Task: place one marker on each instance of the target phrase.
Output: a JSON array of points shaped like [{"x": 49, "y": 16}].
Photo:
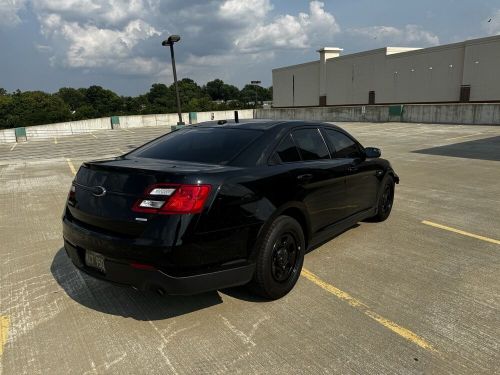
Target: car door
[
  {"x": 320, "y": 180},
  {"x": 361, "y": 182}
]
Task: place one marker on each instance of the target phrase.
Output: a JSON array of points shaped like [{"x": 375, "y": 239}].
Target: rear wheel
[
  {"x": 385, "y": 201},
  {"x": 280, "y": 258}
]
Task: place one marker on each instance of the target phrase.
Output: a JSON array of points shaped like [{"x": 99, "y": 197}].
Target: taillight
[
  {"x": 71, "y": 193},
  {"x": 173, "y": 199}
]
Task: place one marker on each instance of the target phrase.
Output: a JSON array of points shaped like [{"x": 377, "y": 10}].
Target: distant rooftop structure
[{"x": 467, "y": 71}]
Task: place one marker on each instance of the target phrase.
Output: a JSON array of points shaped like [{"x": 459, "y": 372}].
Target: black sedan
[{"x": 223, "y": 204}]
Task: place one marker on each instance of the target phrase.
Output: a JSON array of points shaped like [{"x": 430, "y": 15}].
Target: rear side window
[
  {"x": 286, "y": 151},
  {"x": 344, "y": 146},
  {"x": 311, "y": 145},
  {"x": 202, "y": 145}
]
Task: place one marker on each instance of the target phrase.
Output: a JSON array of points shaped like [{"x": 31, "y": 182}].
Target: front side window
[
  {"x": 344, "y": 146},
  {"x": 310, "y": 144}
]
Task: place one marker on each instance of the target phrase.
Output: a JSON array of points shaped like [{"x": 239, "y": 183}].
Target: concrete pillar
[{"x": 325, "y": 53}]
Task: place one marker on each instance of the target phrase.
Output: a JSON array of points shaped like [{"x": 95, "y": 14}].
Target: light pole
[
  {"x": 170, "y": 42},
  {"x": 255, "y": 83}
]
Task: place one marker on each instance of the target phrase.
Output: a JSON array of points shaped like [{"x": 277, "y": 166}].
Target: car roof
[{"x": 262, "y": 124}]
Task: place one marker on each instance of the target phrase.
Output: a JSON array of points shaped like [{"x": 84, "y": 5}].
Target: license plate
[{"x": 95, "y": 260}]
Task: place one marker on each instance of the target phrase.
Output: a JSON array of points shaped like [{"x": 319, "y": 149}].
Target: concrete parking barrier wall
[
  {"x": 7, "y": 136},
  {"x": 67, "y": 128},
  {"x": 88, "y": 126},
  {"x": 169, "y": 119},
  {"x": 467, "y": 114}
]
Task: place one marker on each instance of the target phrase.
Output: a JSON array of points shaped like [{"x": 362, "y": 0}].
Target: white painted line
[
  {"x": 13, "y": 147},
  {"x": 92, "y": 134},
  {"x": 130, "y": 131}
]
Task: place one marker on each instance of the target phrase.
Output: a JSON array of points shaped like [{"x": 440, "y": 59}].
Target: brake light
[
  {"x": 71, "y": 193},
  {"x": 173, "y": 199}
]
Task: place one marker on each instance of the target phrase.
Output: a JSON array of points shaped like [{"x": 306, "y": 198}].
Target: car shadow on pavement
[
  {"x": 482, "y": 149},
  {"x": 122, "y": 301}
]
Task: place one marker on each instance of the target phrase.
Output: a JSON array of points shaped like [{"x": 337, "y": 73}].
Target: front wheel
[
  {"x": 280, "y": 258},
  {"x": 385, "y": 201}
]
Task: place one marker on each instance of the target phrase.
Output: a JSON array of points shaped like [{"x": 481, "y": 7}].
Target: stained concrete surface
[{"x": 441, "y": 285}]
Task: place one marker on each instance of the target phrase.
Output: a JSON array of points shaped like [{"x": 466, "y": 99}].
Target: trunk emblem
[{"x": 98, "y": 191}]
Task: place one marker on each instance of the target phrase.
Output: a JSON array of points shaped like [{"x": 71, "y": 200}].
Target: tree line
[{"x": 67, "y": 104}]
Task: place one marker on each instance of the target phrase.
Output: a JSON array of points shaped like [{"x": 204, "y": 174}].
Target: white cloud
[
  {"x": 88, "y": 46},
  {"x": 493, "y": 24},
  {"x": 226, "y": 38},
  {"x": 301, "y": 31},
  {"x": 104, "y": 12},
  {"x": 92, "y": 34},
  {"x": 244, "y": 10},
  {"x": 411, "y": 35},
  {"x": 9, "y": 10}
]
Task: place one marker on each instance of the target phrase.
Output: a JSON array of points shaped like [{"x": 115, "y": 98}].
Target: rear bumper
[{"x": 119, "y": 271}]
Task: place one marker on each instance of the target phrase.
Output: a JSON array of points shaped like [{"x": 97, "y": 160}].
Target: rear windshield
[{"x": 202, "y": 145}]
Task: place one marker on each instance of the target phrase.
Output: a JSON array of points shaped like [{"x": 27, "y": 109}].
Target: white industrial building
[{"x": 460, "y": 72}]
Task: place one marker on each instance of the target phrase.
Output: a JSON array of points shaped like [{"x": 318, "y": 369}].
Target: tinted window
[
  {"x": 344, "y": 146},
  {"x": 311, "y": 145},
  {"x": 204, "y": 145},
  {"x": 287, "y": 151}
]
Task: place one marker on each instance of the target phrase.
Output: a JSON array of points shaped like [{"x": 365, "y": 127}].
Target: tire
[
  {"x": 385, "y": 201},
  {"x": 279, "y": 259}
]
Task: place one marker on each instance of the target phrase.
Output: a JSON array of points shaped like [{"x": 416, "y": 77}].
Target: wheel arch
[{"x": 295, "y": 210}]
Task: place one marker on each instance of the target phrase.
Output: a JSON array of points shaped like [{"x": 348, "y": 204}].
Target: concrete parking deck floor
[{"x": 419, "y": 293}]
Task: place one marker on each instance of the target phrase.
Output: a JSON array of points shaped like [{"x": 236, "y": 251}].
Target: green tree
[
  {"x": 32, "y": 108},
  {"x": 36, "y": 107},
  {"x": 105, "y": 102},
  {"x": 215, "y": 89},
  {"x": 74, "y": 98}
]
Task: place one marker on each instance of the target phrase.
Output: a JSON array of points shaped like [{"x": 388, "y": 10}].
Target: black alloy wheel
[
  {"x": 279, "y": 259},
  {"x": 284, "y": 257}
]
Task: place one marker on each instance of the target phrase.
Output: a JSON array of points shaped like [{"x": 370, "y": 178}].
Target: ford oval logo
[{"x": 98, "y": 191}]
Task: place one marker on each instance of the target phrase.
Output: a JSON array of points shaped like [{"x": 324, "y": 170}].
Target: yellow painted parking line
[
  {"x": 394, "y": 327},
  {"x": 71, "y": 166},
  {"x": 4, "y": 332},
  {"x": 462, "y": 232},
  {"x": 13, "y": 147},
  {"x": 130, "y": 131},
  {"x": 462, "y": 136}
]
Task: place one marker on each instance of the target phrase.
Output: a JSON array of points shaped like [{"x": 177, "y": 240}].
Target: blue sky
[{"x": 48, "y": 44}]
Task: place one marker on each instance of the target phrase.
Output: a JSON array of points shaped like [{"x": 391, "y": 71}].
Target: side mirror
[{"x": 372, "y": 152}]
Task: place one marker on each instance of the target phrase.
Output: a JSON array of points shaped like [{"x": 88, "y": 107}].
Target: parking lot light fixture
[
  {"x": 172, "y": 39},
  {"x": 255, "y": 83}
]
